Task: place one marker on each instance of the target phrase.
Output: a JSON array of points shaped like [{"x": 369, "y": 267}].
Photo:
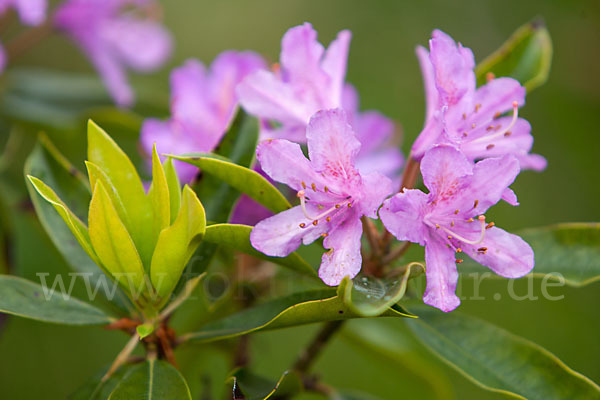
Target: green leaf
[
  {"x": 370, "y": 296},
  {"x": 254, "y": 387},
  {"x": 137, "y": 209},
  {"x": 112, "y": 242},
  {"x": 174, "y": 188},
  {"x": 525, "y": 56},
  {"x": 97, "y": 389},
  {"x": 497, "y": 360},
  {"x": 569, "y": 251},
  {"x": 243, "y": 179},
  {"x": 177, "y": 243},
  {"x": 159, "y": 195},
  {"x": 237, "y": 237},
  {"x": 293, "y": 310},
  {"x": 152, "y": 380},
  {"x": 352, "y": 395},
  {"x": 26, "y": 299},
  {"x": 144, "y": 330},
  {"x": 68, "y": 183}
]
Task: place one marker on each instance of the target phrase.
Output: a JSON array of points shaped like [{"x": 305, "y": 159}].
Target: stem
[
  {"x": 396, "y": 253},
  {"x": 24, "y": 42},
  {"x": 241, "y": 358},
  {"x": 122, "y": 357},
  {"x": 310, "y": 354},
  {"x": 372, "y": 236}
]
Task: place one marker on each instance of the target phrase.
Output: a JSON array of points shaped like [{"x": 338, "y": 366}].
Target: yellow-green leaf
[
  {"x": 177, "y": 243},
  {"x": 77, "y": 227},
  {"x": 112, "y": 242},
  {"x": 159, "y": 195},
  {"x": 174, "y": 188},
  {"x": 108, "y": 156}
]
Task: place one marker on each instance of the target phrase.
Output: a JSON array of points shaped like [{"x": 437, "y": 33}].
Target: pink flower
[
  {"x": 310, "y": 79},
  {"x": 31, "y": 12},
  {"x": 333, "y": 195},
  {"x": 115, "y": 37},
  {"x": 449, "y": 220},
  {"x": 202, "y": 105},
  {"x": 469, "y": 118}
]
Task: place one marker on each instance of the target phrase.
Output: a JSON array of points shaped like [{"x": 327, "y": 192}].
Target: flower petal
[
  {"x": 281, "y": 234},
  {"x": 488, "y": 184},
  {"x": 485, "y": 142},
  {"x": 403, "y": 213},
  {"x": 344, "y": 257},
  {"x": 334, "y": 64},
  {"x": 332, "y": 145},
  {"x": 442, "y": 275},
  {"x": 431, "y": 93},
  {"x": 32, "y": 12},
  {"x": 387, "y": 161},
  {"x": 506, "y": 254},
  {"x": 376, "y": 187},
  {"x": 373, "y": 130},
  {"x": 284, "y": 162},
  {"x": 443, "y": 168},
  {"x": 453, "y": 68},
  {"x": 301, "y": 55},
  {"x": 265, "y": 95},
  {"x": 534, "y": 162},
  {"x": 143, "y": 45}
]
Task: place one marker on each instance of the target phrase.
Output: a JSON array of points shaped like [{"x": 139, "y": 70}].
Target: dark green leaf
[
  {"x": 254, "y": 387},
  {"x": 497, "y": 360},
  {"x": 153, "y": 380},
  {"x": 97, "y": 389},
  {"x": 240, "y": 178},
  {"x": 525, "y": 56},
  {"x": 26, "y": 299},
  {"x": 296, "y": 309},
  {"x": 570, "y": 251},
  {"x": 370, "y": 296},
  {"x": 237, "y": 237}
]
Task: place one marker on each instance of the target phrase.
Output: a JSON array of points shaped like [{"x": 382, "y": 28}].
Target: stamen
[
  {"x": 328, "y": 219},
  {"x": 507, "y": 133},
  {"x": 465, "y": 240},
  {"x": 482, "y": 250},
  {"x": 315, "y": 222},
  {"x": 456, "y": 211},
  {"x": 459, "y": 260},
  {"x": 497, "y": 115},
  {"x": 303, "y": 185},
  {"x": 490, "y": 76},
  {"x": 503, "y": 131},
  {"x": 314, "y": 187},
  {"x": 437, "y": 226},
  {"x": 449, "y": 237},
  {"x": 475, "y": 203},
  {"x": 488, "y": 226},
  {"x": 459, "y": 250},
  {"x": 465, "y": 134},
  {"x": 477, "y": 107},
  {"x": 326, "y": 189},
  {"x": 473, "y": 125},
  {"x": 325, "y": 234},
  {"x": 452, "y": 223},
  {"x": 302, "y": 225},
  {"x": 464, "y": 116},
  {"x": 490, "y": 146},
  {"x": 470, "y": 220}
]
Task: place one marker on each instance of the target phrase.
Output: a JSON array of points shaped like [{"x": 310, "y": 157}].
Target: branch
[{"x": 310, "y": 354}]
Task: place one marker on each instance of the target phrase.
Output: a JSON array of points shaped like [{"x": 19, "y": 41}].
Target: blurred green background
[{"x": 41, "y": 361}]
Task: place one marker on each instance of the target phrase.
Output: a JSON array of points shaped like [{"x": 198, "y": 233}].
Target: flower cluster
[{"x": 472, "y": 147}]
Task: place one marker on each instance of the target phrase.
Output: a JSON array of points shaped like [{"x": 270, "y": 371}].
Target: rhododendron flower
[
  {"x": 115, "y": 35},
  {"x": 333, "y": 195},
  {"x": 308, "y": 79},
  {"x": 467, "y": 117},
  {"x": 31, "y": 12},
  {"x": 202, "y": 105},
  {"x": 449, "y": 220}
]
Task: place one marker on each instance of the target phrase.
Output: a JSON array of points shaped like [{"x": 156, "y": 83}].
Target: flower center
[
  {"x": 329, "y": 213},
  {"x": 454, "y": 235}
]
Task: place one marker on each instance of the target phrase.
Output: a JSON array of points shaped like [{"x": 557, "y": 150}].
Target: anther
[
  {"x": 470, "y": 220},
  {"x": 437, "y": 226},
  {"x": 476, "y": 203},
  {"x": 459, "y": 250},
  {"x": 314, "y": 187},
  {"x": 303, "y": 185},
  {"x": 459, "y": 260},
  {"x": 456, "y": 211},
  {"x": 337, "y": 206},
  {"x": 449, "y": 237},
  {"x": 465, "y": 134},
  {"x": 490, "y": 76},
  {"x": 473, "y": 125},
  {"x": 477, "y": 107},
  {"x": 488, "y": 226},
  {"x": 452, "y": 223},
  {"x": 490, "y": 146},
  {"x": 349, "y": 205},
  {"x": 497, "y": 114},
  {"x": 507, "y": 133},
  {"x": 302, "y": 225},
  {"x": 503, "y": 131},
  {"x": 324, "y": 234},
  {"x": 464, "y": 116},
  {"x": 482, "y": 250},
  {"x": 315, "y": 222},
  {"x": 328, "y": 219},
  {"x": 490, "y": 128},
  {"x": 326, "y": 189}
]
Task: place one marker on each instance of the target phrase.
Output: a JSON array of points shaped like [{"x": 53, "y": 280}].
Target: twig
[
  {"x": 396, "y": 253},
  {"x": 310, "y": 354},
  {"x": 372, "y": 236},
  {"x": 241, "y": 357},
  {"x": 122, "y": 357}
]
